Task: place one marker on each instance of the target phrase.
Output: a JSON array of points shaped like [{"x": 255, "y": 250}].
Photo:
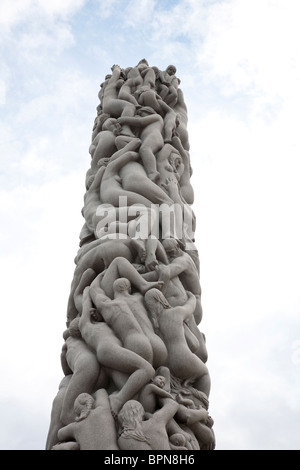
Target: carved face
[
  {"x": 160, "y": 381},
  {"x": 175, "y": 161},
  {"x": 171, "y": 70}
]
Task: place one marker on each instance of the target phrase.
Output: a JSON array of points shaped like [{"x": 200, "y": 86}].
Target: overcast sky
[{"x": 239, "y": 65}]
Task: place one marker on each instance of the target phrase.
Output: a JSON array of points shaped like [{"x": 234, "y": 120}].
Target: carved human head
[
  {"x": 142, "y": 64},
  {"x": 131, "y": 414},
  {"x": 171, "y": 247},
  {"x": 83, "y": 406},
  {"x": 159, "y": 380},
  {"x": 122, "y": 285},
  {"x": 171, "y": 69},
  {"x": 156, "y": 301}
]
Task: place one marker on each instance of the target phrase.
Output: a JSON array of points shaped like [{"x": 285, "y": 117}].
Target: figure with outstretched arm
[
  {"x": 129, "y": 369},
  {"x": 122, "y": 268}
]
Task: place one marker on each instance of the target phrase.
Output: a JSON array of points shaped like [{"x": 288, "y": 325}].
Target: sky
[{"x": 239, "y": 66}]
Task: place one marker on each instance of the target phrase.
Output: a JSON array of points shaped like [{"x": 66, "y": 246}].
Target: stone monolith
[{"x": 134, "y": 356}]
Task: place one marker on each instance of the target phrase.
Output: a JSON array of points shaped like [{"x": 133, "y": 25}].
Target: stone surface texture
[{"x": 134, "y": 357}]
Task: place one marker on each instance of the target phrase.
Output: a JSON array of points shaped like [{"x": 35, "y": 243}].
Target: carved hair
[
  {"x": 186, "y": 389},
  {"x": 155, "y": 296},
  {"x": 156, "y": 302},
  {"x": 83, "y": 406},
  {"x": 130, "y": 419}
]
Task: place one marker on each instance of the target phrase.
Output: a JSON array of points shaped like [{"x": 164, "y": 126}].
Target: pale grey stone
[{"x": 134, "y": 357}]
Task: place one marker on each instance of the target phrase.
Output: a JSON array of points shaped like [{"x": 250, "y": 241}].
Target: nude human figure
[
  {"x": 185, "y": 176},
  {"x": 103, "y": 145},
  {"x": 114, "y": 106},
  {"x": 92, "y": 198},
  {"x": 181, "y": 264},
  {"x": 94, "y": 428},
  {"x": 106, "y": 143},
  {"x": 119, "y": 178},
  {"x": 77, "y": 359},
  {"x": 181, "y": 130},
  {"x": 111, "y": 188},
  {"x": 135, "y": 302},
  {"x": 146, "y": 94},
  {"x": 192, "y": 414},
  {"x": 169, "y": 323},
  {"x": 97, "y": 259},
  {"x": 139, "y": 434},
  {"x": 118, "y": 315},
  {"x": 168, "y": 85},
  {"x": 177, "y": 264},
  {"x": 151, "y": 392},
  {"x": 185, "y": 226},
  {"x": 134, "y": 79},
  {"x": 134, "y": 371},
  {"x": 146, "y": 255},
  {"x": 169, "y": 163},
  {"x": 121, "y": 268},
  {"x": 150, "y": 126}
]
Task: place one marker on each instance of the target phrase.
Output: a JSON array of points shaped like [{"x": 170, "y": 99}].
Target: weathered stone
[{"x": 134, "y": 358}]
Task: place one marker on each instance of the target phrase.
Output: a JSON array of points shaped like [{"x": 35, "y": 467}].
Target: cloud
[
  {"x": 2, "y": 92},
  {"x": 244, "y": 47},
  {"x": 13, "y": 12},
  {"x": 139, "y": 12}
]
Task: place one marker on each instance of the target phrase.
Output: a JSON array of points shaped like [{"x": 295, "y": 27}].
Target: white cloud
[
  {"x": 2, "y": 92},
  {"x": 61, "y": 8},
  {"x": 12, "y": 11},
  {"x": 246, "y": 48},
  {"x": 15, "y": 11}
]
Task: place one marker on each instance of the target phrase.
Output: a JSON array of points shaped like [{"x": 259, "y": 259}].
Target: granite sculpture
[{"x": 134, "y": 357}]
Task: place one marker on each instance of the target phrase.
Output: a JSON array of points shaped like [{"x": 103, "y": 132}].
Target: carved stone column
[{"x": 134, "y": 357}]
